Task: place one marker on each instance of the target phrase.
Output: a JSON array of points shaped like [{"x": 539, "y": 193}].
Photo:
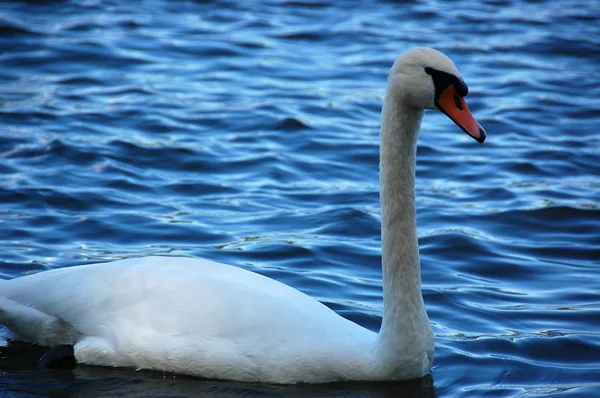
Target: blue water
[{"x": 247, "y": 133}]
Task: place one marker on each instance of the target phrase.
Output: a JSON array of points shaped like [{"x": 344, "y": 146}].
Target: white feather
[{"x": 213, "y": 320}]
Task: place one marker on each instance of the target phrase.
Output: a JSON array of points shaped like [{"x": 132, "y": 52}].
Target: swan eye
[{"x": 442, "y": 80}]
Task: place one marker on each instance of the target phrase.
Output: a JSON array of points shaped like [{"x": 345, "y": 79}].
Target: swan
[{"x": 207, "y": 319}]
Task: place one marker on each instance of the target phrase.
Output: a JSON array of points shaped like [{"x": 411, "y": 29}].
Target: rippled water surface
[{"x": 247, "y": 133}]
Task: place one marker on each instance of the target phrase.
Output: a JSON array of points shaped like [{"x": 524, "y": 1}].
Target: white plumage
[
  {"x": 189, "y": 316},
  {"x": 207, "y": 319}
]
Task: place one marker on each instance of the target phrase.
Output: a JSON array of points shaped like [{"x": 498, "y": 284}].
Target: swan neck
[{"x": 405, "y": 327}]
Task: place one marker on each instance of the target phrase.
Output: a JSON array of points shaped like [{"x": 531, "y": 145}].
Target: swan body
[
  {"x": 189, "y": 316},
  {"x": 207, "y": 319}
]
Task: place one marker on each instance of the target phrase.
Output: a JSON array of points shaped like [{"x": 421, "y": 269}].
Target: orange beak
[{"x": 455, "y": 107}]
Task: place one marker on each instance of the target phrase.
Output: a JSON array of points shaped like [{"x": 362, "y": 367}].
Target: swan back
[{"x": 188, "y": 316}]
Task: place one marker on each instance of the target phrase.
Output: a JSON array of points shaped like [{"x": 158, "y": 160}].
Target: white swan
[{"x": 202, "y": 318}]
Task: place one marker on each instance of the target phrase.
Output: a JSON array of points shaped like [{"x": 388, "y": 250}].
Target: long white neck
[{"x": 405, "y": 329}]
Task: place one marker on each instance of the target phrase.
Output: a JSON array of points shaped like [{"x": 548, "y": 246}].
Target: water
[{"x": 247, "y": 133}]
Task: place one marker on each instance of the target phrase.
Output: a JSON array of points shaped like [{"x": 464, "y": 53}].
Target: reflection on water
[{"x": 20, "y": 375}]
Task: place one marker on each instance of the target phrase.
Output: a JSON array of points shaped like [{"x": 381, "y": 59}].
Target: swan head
[{"x": 424, "y": 78}]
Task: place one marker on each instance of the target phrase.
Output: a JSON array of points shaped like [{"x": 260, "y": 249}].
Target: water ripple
[{"x": 246, "y": 132}]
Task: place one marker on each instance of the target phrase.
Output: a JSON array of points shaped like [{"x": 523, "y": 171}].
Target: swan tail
[{"x": 29, "y": 324}]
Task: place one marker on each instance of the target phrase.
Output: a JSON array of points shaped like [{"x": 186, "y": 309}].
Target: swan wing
[{"x": 183, "y": 315}]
